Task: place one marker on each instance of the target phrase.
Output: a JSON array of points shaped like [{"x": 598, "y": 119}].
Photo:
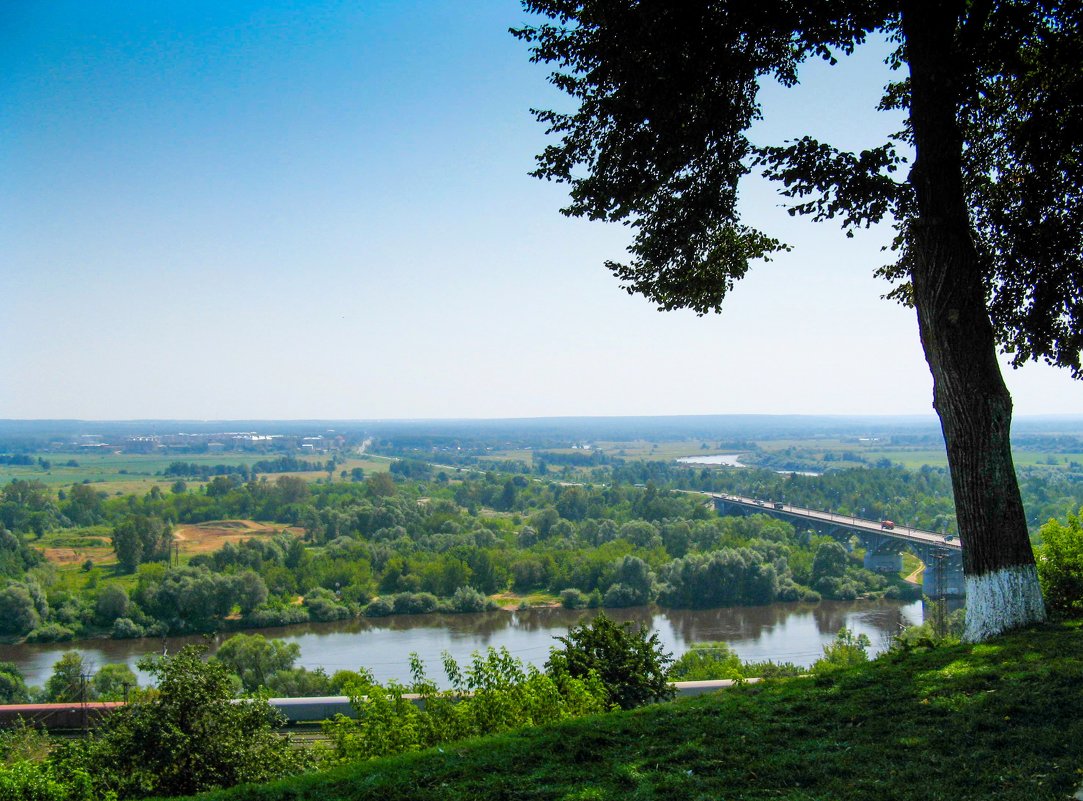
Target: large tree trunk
[{"x": 968, "y": 390}]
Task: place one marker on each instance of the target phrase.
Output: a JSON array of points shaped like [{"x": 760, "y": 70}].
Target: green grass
[{"x": 1002, "y": 720}]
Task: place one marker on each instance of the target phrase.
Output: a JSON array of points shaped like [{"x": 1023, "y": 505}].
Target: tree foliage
[
  {"x": 186, "y": 737},
  {"x": 495, "y": 692},
  {"x": 1060, "y": 564},
  {"x": 988, "y": 218},
  {"x": 255, "y": 659},
  {"x": 630, "y": 662}
]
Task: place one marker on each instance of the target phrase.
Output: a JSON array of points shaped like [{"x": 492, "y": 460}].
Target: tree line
[{"x": 397, "y": 545}]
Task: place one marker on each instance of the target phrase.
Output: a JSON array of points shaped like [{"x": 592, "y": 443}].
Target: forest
[{"x": 419, "y": 539}]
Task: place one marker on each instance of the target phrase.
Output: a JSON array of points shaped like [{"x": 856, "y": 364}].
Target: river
[
  {"x": 723, "y": 459},
  {"x": 781, "y": 632}
]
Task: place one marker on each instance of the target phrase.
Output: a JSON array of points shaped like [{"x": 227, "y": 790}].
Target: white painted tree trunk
[{"x": 1002, "y": 600}]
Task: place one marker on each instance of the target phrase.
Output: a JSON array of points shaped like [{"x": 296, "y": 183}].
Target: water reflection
[{"x": 781, "y": 632}]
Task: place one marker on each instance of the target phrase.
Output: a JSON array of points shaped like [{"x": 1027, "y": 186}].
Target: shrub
[
  {"x": 467, "y": 599},
  {"x": 39, "y": 781},
  {"x": 381, "y": 607},
  {"x": 572, "y": 598},
  {"x": 1060, "y": 564},
  {"x": 621, "y": 596},
  {"x": 322, "y": 606},
  {"x": 124, "y": 628},
  {"x": 705, "y": 661},
  {"x": 283, "y": 615},
  {"x": 50, "y": 632},
  {"x": 629, "y": 662},
  {"x": 187, "y": 737},
  {"x": 846, "y": 651},
  {"x": 413, "y": 603},
  {"x": 494, "y": 693},
  {"x": 13, "y": 689}
]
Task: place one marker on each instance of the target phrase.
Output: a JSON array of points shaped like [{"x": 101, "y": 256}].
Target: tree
[
  {"x": 68, "y": 681},
  {"x": 112, "y": 602},
  {"x": 1060, "y": 564},
  {"x": 139, "y": 538},
  {"x": 113, "y": 682},
  {"x": 988, "y": 219},
  {"x": 629, "y": 662},
  {"x": 829, "y": 562},
  {"x": 18, "y": 612},
  {"x": 84, "y": 505},
  {"x": 380, "y": 485},
  {"x": 13, "y": 688},
  {"x": 187, "y": 737},
  {"x": 255, "y": 659},
  {"x": 847, "y": 650}
]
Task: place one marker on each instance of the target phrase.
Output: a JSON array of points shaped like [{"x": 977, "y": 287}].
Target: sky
[{"x": 321, "y": 209}]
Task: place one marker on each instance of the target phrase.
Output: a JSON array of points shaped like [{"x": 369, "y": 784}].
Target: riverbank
[{"x": 999, "y": 720}]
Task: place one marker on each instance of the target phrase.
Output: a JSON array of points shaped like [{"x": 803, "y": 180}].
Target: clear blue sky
[{"x": 322, "y": 210}]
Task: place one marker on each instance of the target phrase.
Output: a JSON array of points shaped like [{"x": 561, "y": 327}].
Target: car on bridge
[{"x": 887, "y": 524}]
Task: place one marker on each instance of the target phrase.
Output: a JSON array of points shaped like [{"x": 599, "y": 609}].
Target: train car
[{"x": 57, "y": 717}]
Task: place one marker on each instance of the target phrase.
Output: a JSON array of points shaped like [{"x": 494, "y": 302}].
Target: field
[
  {"x": 69, "y": 549},
  {"x": 829, "y": 452},
  {"x": 127, "y": 473},
  {"x": 209, "y": 537}
]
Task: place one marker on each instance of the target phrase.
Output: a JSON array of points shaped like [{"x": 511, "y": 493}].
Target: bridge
[{"x": 883, "y": 541}]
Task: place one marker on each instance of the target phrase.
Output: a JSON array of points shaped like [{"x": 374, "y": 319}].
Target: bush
[
  {"x": 494, "y": 693},
  {"x": 39, "y": 781},
  {"x": 467, "y": 599},
  {"x": 705, "y": 661},
  {"x": 124, "y": 628},
  {"x": 13, "y": 689},
  {"x": 1060, "y": 564},
  {"x": 381, "y": 607},
  {"x": 50, "y": 632},
  {"x": 846, "y": 651},
  {"x": 413, "y": 603},
  {"x": 323, "y": 606},
  {"x": 926, "y": 636},
  {"x": 621, "y": 596},
  {"x": 283, "y": 615},
  {"x": 572, "y": 598},
  {"x": 629, "y": 662},
  {"x": 187, "y": 737}
]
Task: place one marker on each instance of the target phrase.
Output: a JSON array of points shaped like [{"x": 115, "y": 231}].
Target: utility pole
[
  {"x": 939, "y": 619},
  {"x": 83, "y": 701}
]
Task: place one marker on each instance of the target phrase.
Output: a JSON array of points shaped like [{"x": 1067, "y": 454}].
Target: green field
[{"x": 124, "y": 473}]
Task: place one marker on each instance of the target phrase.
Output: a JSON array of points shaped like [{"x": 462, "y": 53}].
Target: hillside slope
[{"x": 1001, "y": 720}]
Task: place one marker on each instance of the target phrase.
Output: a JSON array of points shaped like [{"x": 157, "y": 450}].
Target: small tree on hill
[
  {"x": 630, "y": 662},
  {"x": 187, "y": 736}
]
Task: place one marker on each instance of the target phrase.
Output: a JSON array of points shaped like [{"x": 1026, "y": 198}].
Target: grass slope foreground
[{"x": 1000, "y": 720}]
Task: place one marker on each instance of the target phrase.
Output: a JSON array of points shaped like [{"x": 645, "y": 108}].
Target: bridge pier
[
  {"x": 943, "y": 577},
  {"x": 883, "y": 561}
]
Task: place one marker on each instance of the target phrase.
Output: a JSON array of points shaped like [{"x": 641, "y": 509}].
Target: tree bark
[{"x": 969, "y": 393}]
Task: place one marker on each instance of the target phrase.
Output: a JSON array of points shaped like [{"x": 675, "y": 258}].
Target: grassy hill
[{"x": 1002, "y": 720}]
